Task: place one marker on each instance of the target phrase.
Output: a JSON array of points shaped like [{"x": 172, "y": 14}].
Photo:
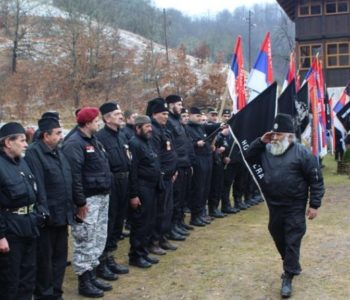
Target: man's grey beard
[{"x": 279, "y": 147}]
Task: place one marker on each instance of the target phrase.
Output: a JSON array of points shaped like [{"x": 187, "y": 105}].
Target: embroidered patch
[{"x": 90, "y": 149}]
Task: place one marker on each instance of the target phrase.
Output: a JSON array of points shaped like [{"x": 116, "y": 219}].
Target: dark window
[
  {"x": 307, "y": 52},
  {"x": 310, "y": 8},
  {"x": 338, "y": 54},
  {"x": 336, "y": 7}
]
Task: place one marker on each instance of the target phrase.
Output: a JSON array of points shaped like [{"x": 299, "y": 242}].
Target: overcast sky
[{"x": 202, "y": 7}]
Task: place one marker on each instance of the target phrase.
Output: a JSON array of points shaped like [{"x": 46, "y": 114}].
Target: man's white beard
[{"x": 279, "y": 147}]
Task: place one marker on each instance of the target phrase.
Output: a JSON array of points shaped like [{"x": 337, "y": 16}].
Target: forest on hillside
[{"x": 64, "y": 54}]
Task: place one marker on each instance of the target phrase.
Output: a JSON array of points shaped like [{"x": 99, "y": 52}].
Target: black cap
[
  {"x": 107, "y": 107},
  {"x": 184, "y": 111},
  {"x": 11, "y": 128},
  {"x": 156, "y": 105},
  {"x": 173, "y": 99},
  {"x": 212, "y": 111},
  {"x": 140, "y": 120},
  {"x": 51, "y": 114},
  {"x": 46, "y": 124},
  {"x": 195, "y": 111},
  {"x": 283, "y": 123},
  {"x": 226, "y": 111}
]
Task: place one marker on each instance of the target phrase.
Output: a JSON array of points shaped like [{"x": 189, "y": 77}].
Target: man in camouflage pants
[{"x": 91, "y": 187}]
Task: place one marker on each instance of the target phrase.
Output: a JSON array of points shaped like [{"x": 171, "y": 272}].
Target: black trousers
[
  {"x": 142, "y": 220},
  {"x": 165, "y": 207},
  {"x": 287, "y": 227},
  {"x": 18, "y": 268},
  {"x": 217, "y": 184},
  {"x": 117, "y": 212},
  {"x": 241, "y": 181},
  {"x": 52, "y": 251},
  {"x": 200, "y": 184},
  {"x": 182, "y": 188}
]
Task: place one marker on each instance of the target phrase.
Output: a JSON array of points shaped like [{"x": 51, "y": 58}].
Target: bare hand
[
  {"x": 311, "y": 213},
  {"x": 135, "y": 202},
  {"x": 82, "y": 212},
  {"x": 267, "y": 137},
  {"x": 200, "y": 143},
  {"x": 227, "y": 160},
  {"x": 4, "y": 246},
  {"x": 221, "y": 150}
]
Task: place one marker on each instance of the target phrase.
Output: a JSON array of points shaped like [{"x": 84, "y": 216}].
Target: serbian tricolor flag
[
  {"x": 261, "y": 76},
  {"x": 343, "y": 98},
  {"x": 235, "y": 78},
  {"x": 291, "y": 72},
  {"x": 317, "y": 93}
]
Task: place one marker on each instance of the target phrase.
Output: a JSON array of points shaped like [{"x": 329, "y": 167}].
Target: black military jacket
[
  {"x": 181, "y": 141},
  {"x": 90, "y": 167},
  {"x": 117, "y": 148},
  {"x": 17, "y": 189},
  {"x": 163, "y": 145},
  {"x": 128, "y": 131},
  {"x": 145, "y": 165},
  {"x": 54, "y": 180}
]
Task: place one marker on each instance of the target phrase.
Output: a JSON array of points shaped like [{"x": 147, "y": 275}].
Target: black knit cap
[
  {"x": 283, "y": 123},
  {"x": 11, "y": 128},
  {"x": 226, "y": 111},
  {"x": 156, "y": 105},
  {"x": 46, "y": 124},
  {"x": 184, "y": 111},
  {"x": 51, "y": 114},
  {"x": 173, "y": 99},
  {"x": 107, "y": 107},
  {"x": 195, "y": 111}
]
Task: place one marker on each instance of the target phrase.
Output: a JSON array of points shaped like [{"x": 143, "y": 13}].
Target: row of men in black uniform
[{"x": 148, "y": 171}]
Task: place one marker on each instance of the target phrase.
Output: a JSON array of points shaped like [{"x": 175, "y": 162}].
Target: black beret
[
  {"x": 46, "y": 124},
  {"x": 156, "y": 105},
  {"x": 51, "y": 114},
  {"x": 140, "y": 120},
  {"x": 107, "y": 107},
  {"x": 11, "y": 128},
  {"x": 283, "y": 123},
  {"x": 195, "y": 111},
  {"x": 173, "y": 99},
  {"x": 226, "y": 112},
  {"x": 184, "y": 111}
]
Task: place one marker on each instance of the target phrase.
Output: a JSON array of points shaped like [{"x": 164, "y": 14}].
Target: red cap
[{"x": 87, "y": 114}]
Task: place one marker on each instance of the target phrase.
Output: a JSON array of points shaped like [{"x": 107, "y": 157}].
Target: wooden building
[{"x": 322, "y": 26}]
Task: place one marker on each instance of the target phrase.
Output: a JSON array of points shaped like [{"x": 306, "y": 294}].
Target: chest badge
[
  {"x": 90, "y": 149},
  {"x": 168, "y": 145}
]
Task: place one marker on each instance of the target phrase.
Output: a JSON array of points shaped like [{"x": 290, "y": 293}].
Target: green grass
[{"x": 330, "y": 172}]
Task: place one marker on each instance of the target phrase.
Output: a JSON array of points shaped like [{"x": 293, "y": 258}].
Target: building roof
[{"x": 289, "y": 7}]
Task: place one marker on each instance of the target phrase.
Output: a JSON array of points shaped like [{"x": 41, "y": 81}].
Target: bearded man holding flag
[{"x": 291, "y": 177}]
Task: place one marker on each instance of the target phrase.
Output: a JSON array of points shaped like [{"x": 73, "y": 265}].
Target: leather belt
[
  {"x": 24, "y": 210},
  {"x": 121, "y": 175}
]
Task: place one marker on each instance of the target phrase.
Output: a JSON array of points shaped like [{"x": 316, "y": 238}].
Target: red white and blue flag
[
  {"x": 261, "y": 76},
  {"x": 344, "y": 98},
  {"x": 235, "y": 78},
  {"x": 291, "y": 72}
]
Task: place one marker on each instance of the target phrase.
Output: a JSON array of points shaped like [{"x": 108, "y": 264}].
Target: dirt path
[{"x": 234, "y": 258}]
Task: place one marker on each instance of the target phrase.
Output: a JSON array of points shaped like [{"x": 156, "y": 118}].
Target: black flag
[
  {"x": 328, "y": 112},
  {"x": 253, "y": 121},
  {"x": 303, "y": 107},
  {"x": 286, "y": 101},
  {"x": 344, "y": 116}
]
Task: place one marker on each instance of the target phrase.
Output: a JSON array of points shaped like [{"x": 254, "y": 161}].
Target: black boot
[
  {"x": 104, "y": 272},
  {"x": 86, "y": 288},
  {"x": 114, "y": 267},
  {"x": 215, "y": 213},
  {"x": 100, "y": 284},
  {"x": 185, "y": 226},
  {"x": 180, "y": 230},
  {"x": 286, "y": 290}
]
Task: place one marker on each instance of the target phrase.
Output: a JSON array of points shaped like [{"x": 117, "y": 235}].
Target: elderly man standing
[
  {"x": 291, "y": 177},
  {"x": 54, "y": 180},
  {"x": 91, "y": 188}
]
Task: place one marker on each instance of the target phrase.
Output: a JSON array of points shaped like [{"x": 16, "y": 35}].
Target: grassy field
[{"x": 235, "y": 258}]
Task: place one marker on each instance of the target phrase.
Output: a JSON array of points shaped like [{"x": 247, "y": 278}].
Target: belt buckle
[{"x": 22, "y": 211}]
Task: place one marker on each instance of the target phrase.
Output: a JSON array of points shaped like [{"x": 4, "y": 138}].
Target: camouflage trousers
[{"x": 90, "y": 236}]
